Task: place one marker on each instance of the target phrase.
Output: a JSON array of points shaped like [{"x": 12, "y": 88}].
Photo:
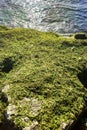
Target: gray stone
[
  {"x": 66, "y": 126},
  {"x": 35, "y": 106},
  {"x": 11, "y": 110},
  {"x": 25, "y": 100},
  {"x": 5, "y": 89},
  {"x": 25, "y": 119}
]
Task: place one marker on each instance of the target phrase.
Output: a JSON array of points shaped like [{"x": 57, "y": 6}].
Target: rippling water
[{"x": 60, "y": 16}]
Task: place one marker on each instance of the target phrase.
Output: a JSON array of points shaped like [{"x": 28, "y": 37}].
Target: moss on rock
[
  {"x": 80, "y": 36},
  {"x": 43, "y": 84}
]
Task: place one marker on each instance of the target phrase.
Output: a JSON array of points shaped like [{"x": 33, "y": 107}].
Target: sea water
[{"x": 61, "y": 16}]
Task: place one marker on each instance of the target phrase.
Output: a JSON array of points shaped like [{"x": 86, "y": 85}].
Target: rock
[
  {"x": 63, "y": 126},
  {"x": 5, "y": 89},
  {"x": 80, "y": 36},
  {"x": 66, "y": 126},
  {"x": 73, "y": 48},
  {"x": 5, "y": 97},
  {"x": 9, "y": 98},
  {"x": 26, "y": 119},
  {"x": 11, "y": 110},
  {"x": 25, "y": 100},
  {"x": 35, "y": 106},
  {"x": 33, "y": 126},
  {"x": 26, "y": 128}
]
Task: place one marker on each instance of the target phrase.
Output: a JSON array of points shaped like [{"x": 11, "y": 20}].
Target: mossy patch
[{"x": 42, "y": 68}]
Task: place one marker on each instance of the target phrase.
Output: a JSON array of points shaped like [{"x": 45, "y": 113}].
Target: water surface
[{"x": 60, "y": 16}]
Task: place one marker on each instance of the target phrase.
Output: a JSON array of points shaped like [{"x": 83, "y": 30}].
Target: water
[{"x": 61, "y": 16}]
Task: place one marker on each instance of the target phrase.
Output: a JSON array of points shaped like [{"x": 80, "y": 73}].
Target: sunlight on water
[{"x": 60, "y": 16}]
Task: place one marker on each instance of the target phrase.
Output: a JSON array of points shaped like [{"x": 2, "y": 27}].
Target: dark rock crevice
[
  {"x": 81, "y": 36},
  {"x": 83, "y": 77},
  {"x": 82, "y": 120},
  {"x": 7, "y": 65},
  {"x": 6, "y": 125},
  {"x": 80, "y": 124}
]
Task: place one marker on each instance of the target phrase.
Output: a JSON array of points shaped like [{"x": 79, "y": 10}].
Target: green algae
[{"x": 43, "y": 75}]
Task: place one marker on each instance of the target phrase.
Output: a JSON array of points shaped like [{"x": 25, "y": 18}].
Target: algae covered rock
[
  {"x": 43, "y": 89},
  {"x": 33, "y": 126},
  {"x": 80, "y": 36}
]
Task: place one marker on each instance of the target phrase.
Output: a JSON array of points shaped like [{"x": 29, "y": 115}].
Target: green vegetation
[{"x": 40, "y": 71}]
